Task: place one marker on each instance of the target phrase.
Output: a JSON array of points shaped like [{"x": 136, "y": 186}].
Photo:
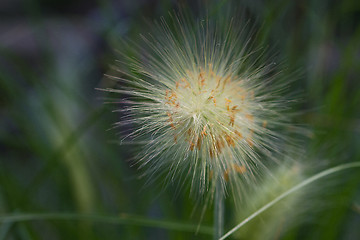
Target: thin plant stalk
[{"x": 219, "y": 208}]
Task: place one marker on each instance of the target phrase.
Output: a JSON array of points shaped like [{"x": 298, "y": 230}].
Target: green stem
[{"x": 218, "y": 211}]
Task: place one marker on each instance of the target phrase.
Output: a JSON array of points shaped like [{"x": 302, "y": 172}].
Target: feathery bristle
[{"x": 205, "y": 103}]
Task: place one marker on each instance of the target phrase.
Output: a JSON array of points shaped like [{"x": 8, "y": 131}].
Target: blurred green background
[{"x": 57, "y": 154}]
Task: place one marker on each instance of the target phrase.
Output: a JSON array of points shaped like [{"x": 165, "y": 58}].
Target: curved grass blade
[
  {"x": 292, "y": 190},
  {"x": 122, "y": 219}
]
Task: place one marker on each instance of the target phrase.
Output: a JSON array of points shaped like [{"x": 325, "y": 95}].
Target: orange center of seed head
[{"x": 209, "y": 97}]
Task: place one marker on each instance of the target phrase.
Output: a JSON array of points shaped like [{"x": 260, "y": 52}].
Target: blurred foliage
[{"x": 57, "y": 155}]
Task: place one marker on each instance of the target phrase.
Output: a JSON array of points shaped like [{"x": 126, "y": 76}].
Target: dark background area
[{"x": 57, "y": 154}]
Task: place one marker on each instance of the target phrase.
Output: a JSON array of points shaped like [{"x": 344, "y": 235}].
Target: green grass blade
[
  {"x": 122, "y": 219},
  {"x": 292, "y": 190}
]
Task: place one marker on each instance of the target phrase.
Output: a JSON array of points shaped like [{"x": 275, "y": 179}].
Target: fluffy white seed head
[{"x": 204, "y": 102}]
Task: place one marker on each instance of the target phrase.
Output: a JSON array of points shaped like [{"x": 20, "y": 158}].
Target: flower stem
[{"x": 218, "y": 212}]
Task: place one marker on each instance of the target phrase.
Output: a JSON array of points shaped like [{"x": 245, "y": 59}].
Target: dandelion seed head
[{"x": 205, "y": 103}]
